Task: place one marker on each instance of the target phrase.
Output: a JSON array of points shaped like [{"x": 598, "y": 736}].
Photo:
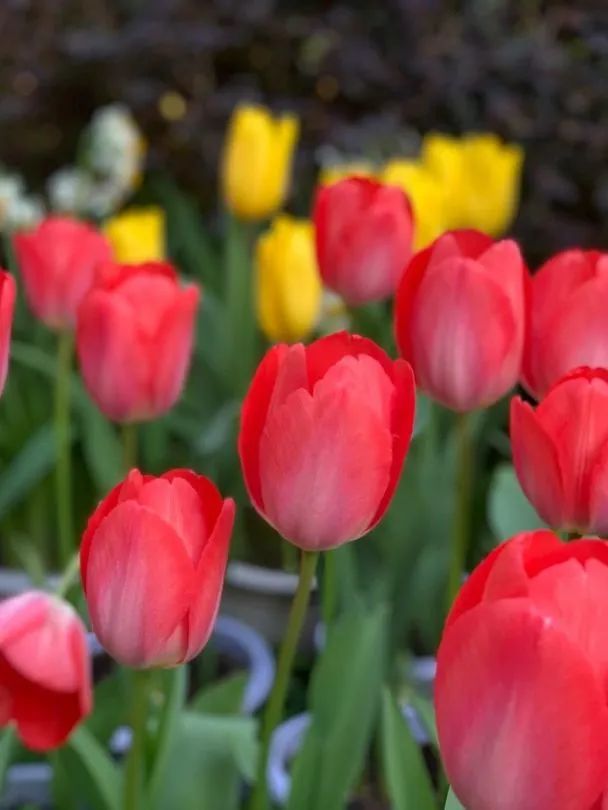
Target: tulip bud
[
  {"x": 152, "y": 561},
  {"x": 134, "y": 339},
  {"x": 256, "y": 164},
  {"x": 137, "y": 235},
  {"x": 45, "y": 677},
  {"x": 324, "y": 432},
  {"x": 8, "y": 292},
  {"x": 560, "y": 452},
  {"x": 364, "y": 238},
  {"x": 459, "y": 318},
  {"x": 58, "y": 260},
  {"x": 289, "y": 287},
  {"x": 568, "y": 324},
  {"x": 426, "y": 193},
  {"x": 520, "y": 694}
]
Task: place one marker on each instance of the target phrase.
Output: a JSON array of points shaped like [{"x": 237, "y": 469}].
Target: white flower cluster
[
  {"x": 18, "y": 209},
  {"x": 110, "y": 166}
]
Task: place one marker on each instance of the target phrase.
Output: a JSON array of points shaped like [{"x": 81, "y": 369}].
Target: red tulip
[
  {"x": 459, "y": 318},
  {"x": 522, "y": 668},
  {"x": 364, "y": 234},
  {"x": 58, "y": 260},
  {"x": 152, "y": 561},
  {"x": 8, "y": 293},
  {"x": 568, "y": 324},
  {"x": 324, "y": 432},
  {"x": 45, "y": 678},
  {"x": 134, "y": 339},
  {"x": 560, "y": 452}
]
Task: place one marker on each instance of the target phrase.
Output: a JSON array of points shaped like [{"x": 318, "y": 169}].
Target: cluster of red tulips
[{"x": 521, "y": 699}]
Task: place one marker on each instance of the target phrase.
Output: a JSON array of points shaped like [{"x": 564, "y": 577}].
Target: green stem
[
  {"x": 63, "y": 470},
  {"x": 240, "y": 320},
  {"x": 276, "y": 702},
  {"x": 70, "y": 573},
  {"x": 329, "y": 588},
  {"x": 129, "y": 445},
  {"x": 462, "y": 516},
  {"x": 133, "y": 797}
]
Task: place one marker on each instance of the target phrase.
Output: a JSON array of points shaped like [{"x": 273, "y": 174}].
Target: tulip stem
[
  {"x": 329, "y": 588},
  {"x": 462, "y": 506},
  {"x": 276, "y": 702},
  {"x": 63, "y": 469},
  {"x": 134, "y": 768},
  {"x": 69, "y": 575},
  {"x": 129, "y": 445}
]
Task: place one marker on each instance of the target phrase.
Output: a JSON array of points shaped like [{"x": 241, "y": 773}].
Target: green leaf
[
  {"x": 207, "y": 762},
  {"x": 35, "y": 460},
  {"x": 100, "y": 444},
  {"x": 221, "y": 697},
  {"x": 94, "y": 776},
  {"x": 452, "y": 803},
  {"x": 175, "y": 700},
  {"x": 407, "y": 779},
  {"x": 509, "y": 510},
  {"x": 345, "y": 692},
  {"x": 7, "y": 747}
]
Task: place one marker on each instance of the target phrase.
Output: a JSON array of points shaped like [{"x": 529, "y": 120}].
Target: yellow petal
[
  {"x": 137, "y": 235},
  {"x": 426, "y": 194}
]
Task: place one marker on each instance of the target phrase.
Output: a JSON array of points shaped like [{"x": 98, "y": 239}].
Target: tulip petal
[
  {"x": 209, "y": 581},
  {"x": 536, "y": 463},
  {"x": 330, "y": 451},
  {"x": 522, "y": 717},
  {"x": 598, "y": 497},
  {"x": 324, "y": 353},
  {"x": 8, "y": 292},
  {"x": 253, "y": 416},
  {"x": 140, "y": 583},
  {"x": 457, "y": 364}
]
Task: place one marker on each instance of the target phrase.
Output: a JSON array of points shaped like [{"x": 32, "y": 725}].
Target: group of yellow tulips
[{"x": 456, "y": 182}]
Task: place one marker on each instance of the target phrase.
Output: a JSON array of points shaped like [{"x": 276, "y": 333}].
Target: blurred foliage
[{"x": 364, "y": 77}]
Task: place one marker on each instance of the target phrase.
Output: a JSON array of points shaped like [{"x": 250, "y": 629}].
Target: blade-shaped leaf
[
  {"x": 509, "y": 510},
  {"x": 95, "y": 776},
  {"x": 452, "y": 803}
]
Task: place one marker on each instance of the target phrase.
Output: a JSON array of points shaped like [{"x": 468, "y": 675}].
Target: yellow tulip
[
  {"x": 256, "y": 163},
  {"x": 426, "y": 193},
  {"x": 288, "y": 282},
  {"x": 333, "y": 174},
  {"x": 137, "y": 235},
  {"x": 481, "y": 177}
]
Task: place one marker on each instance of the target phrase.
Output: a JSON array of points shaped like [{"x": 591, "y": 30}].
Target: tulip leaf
[
  {"x": 101, "y": 446},
  {"x": 175, "y": 698},
  {"x": 222, "y": 697},
  {"x": 344, "y": 696},
  {"x": 510, "y": 512},
  {"x": 407, "y": 779},
  {"x": 452, "y": 803},
  {"x": 7, "y": 747},
  {"x": 93, "y": 774},
  {"x": 35, "y": 460},
  {"x": 208, "y": 759}
]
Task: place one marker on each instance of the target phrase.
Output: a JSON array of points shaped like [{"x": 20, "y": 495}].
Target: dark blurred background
[{"x": 364, "y": 77}]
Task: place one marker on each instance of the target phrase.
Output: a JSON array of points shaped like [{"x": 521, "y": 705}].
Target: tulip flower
[
  {"x": 8, "y": 292},
  {"x": 45, "y": 677},
  {"x": 568, "y": 325},
  {"x": 324, "y": 432},
  {"x": 137, "y": 235},
  {"x": 58, "y": 260},
  {"x": 152, "y": 562},
  {"x": 256, "y": 164},
  {"x": 134, "y": 339},
  {"x": 560, "y": 452},
  {"x": 288, "y": 283},
  {"x": 426, "y": 194},
  {"x": 459, "y": 318},
  {"x": 364, "y": 238},
  {"x": 520, "y": 694},
  {"x": 481, "y": 176}
]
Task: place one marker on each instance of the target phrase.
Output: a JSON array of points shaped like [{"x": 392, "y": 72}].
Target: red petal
[{"x": 521, "y": 714}]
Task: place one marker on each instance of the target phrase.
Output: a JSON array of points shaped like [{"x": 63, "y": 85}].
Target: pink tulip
[
  {"x": 134, "y": 339},
  {"x": 364, "y": 233},
  {"x": 58, "y": 260},
  {"x": 8, "y": 293},
  {"x": 45, "y": 678},
  {"x": 152, "y": 561},
  {"x": 522, "y": 668},
  {"x": 460, "y": 318},
  {"x": 325, "y": 429},
  {"x": 568, "y": 323}
]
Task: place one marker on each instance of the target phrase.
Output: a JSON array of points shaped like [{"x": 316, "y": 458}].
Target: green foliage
[{"x": 509, "y": 510}]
